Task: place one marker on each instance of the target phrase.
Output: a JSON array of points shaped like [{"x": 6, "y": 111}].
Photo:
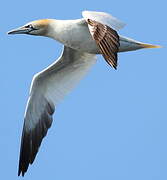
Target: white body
[{"x": 76, "y": 34}]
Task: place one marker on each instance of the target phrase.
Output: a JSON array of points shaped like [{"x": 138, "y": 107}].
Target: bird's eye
[{"x": 29, "y": 26}]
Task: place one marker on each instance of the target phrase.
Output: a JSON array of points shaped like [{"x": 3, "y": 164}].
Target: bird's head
[{"x": 38, "y": 27}]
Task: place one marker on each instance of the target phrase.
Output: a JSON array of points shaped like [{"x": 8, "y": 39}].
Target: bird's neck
[{"x": 59, "y": 29}]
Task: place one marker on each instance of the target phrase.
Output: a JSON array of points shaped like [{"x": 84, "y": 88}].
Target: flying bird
[{"x": 95, "y": 33}]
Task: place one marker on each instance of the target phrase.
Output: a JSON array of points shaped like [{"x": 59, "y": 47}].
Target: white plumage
[{"x": 82, "y": 39}]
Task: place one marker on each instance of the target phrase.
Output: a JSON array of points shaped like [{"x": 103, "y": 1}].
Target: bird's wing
[
  {"x": 104, "y": 18},
  {"x": 47, "y": 89},
  {"x": 107, "y": 39}
]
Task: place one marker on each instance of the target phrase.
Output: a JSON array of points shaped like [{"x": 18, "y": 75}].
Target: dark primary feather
[
  {"x": 108, "y": 41},
  {"x": 31, "y": 139}
]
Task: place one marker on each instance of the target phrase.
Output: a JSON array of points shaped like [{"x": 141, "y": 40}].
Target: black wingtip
[
  {"x": 31, "y": 139},
  {"x": 21, "y": 173}
]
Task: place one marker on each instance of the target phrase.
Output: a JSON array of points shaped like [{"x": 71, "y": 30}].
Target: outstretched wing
[
  {"x": 47, "y": 89},
  {"x": 107, "y": 40}
]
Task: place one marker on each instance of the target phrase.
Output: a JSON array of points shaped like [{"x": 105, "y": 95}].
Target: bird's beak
[{"x": 20, "y": 30}]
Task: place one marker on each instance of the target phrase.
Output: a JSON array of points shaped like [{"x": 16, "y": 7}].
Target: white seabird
[{"x": 83, "y": 38}]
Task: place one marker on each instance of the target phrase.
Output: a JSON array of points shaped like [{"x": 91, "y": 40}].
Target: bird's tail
[
  {"x": 128, "y": 44},
  {"x": 149, "y": 45}
]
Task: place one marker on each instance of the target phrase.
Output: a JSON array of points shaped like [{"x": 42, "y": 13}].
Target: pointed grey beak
[{"x": 21, "y": 30}]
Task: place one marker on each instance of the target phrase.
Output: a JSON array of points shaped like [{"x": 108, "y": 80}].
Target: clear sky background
[{"x": 114, "y": 124}]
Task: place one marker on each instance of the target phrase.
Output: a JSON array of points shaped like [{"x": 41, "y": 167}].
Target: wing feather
[
  {"x": 47, "y": 89},
  {"x": 107, "y": 39}
]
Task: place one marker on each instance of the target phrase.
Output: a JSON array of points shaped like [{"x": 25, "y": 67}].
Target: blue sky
[{"x": 113, "y": 125}]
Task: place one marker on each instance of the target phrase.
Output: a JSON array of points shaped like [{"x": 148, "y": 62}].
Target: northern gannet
[{"x": 95, "y": 33}]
